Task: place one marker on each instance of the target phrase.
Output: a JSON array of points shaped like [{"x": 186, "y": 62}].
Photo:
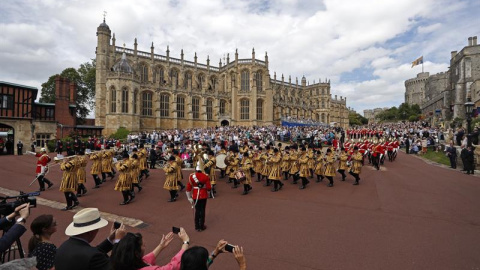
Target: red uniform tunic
[
  {"x": 43, "y": 160},
  {"x": 192, "y": 184}
]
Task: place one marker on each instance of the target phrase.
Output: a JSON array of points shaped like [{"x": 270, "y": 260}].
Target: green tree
[
  {"x": 84, "y": 78},
  {"x": 356, "y": 119}
]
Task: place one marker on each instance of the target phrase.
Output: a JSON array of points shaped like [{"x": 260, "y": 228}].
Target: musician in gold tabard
[
  {"x": 209, "y": 167},
  {"x": 275, "y": 174},
  {"x": 286, "y": 162},
  {"x": 294, "y": 165},
  {"x": 357, "y": 160},
  {"x": 257, "y": 164},
  {"x": 171, "y": 183},
  {"x": 124, "y": 181},
  {"x": 81, "y": 175},
  {"x": 329, "y": 166},
  {"x": 247, "y": 165},
  {"x": 107, "y": 157},
  {"x": 69, "y": 182},
  {"x": 142, "y": 157},
  {"x": 342, "y": 163},
  {"x": 266, "y": 165},
  {"x": 179, "y": 162},
  {"x": 304, "y": 169},
  {"x": 233, "y": 164},
  {"x": 320, "y": 166},
  {"x": 311, "y": 160},
  {"x": 96, "y": 169},
  {"x": 134, "y": 171}
]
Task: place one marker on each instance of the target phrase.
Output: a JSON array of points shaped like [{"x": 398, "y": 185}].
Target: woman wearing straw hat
[{"x": 76, "y": 252}]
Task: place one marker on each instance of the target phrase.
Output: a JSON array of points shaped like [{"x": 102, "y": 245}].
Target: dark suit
[
  {"x": 13, "y": 234},
  {"x": 77, "y": 254}
]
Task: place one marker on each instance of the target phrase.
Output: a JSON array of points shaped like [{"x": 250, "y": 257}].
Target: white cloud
[{"x": 317, "y": 39}]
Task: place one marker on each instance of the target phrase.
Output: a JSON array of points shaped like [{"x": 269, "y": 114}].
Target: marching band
[{"x": 274, "y": 164}]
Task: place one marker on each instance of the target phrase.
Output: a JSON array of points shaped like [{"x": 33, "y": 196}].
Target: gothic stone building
[
  {"x": 442, "y": 96},
  {"x": 145, "y": 91}
]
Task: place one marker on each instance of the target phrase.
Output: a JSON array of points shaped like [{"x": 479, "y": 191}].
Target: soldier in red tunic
[
  {"x": 198, "y": 188},
  {"x": 42, "y": 169}
]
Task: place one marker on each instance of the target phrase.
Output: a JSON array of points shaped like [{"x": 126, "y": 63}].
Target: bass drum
[{"x": 221, "y": 161}]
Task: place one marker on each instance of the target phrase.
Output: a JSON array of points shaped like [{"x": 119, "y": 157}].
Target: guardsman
[
  {"x": 171, "y": 182},
  {"x": 69, "y": 182},
  {"x": 198, "y": 187},
  {"x": 266, "y": 165},
  {"x": 257, "y": 164},
  {"x": 311, "y": 160},
  {"x": 357, "y": 162},
  {"x": 275, "y": 171},
  {"x": 42, "y": 169},
  {"x": 124, "y": 181}
]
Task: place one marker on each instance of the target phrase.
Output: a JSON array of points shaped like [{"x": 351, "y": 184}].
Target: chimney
[
  {"x": 453, "y": 53},
  {"x": 73, "y": 92},
  {"x": 474, "y": 41},
  {"x": 470, "y": 41}
]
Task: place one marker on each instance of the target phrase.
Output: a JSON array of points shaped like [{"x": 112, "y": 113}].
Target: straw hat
[{"x": 85, "y": 220}]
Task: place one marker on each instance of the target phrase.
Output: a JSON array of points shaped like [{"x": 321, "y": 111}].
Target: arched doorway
[
  {"x": 224, "y": 123},
  {"x": 7, "y": 140}
]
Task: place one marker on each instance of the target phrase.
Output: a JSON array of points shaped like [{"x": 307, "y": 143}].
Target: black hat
[
  {"x": 172, "y": 158},
  {"x": 125, "y": 155}
]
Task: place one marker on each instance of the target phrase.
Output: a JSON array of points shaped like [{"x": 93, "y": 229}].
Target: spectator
[
  {"x": 76, "y": 252},
  {"x": 129, "y": 253},
  {"x": 451, "y": 153},
  {"x": 39, "y": 245},
  {"x": 20, "y": 148},
  {"x": 197, "y": 258},
  {"x": 18, "y": 228}
]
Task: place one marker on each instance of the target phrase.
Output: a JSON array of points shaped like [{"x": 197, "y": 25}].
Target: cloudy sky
[{"x": 365, "y": 47}]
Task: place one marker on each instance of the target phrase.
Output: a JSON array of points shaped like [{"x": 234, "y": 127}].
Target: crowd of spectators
[{"x": 126, "y": 249}]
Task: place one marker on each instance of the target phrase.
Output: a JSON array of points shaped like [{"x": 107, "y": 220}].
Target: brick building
[{"x": 23, "y": 119}]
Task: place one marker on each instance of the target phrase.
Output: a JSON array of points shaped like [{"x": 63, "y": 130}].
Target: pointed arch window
[
  {"x": 124, "y": 100},
  {"x": 245, "y": 81},
  {"x": 113, "y": 100},
  {"x": 181, "y": 107},
  {"x": 174, "y": 77},
  {"x": 244, "y": 109},
  {"x": 209, "y": 109},
  {"x": 144, "y": 73},
  {"x": 196, "y": 108},
  {"x": 135, "y": 101},
  {"x": 147, "y": 103},
  {"x": 259, "y": 109},
  {"x": 164, "y": 105},
  {"x": 259, "y": 81},
  {"x": 223, "y": 105}
]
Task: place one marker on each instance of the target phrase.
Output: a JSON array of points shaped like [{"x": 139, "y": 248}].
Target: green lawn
[{"x": 438, "y": 157}]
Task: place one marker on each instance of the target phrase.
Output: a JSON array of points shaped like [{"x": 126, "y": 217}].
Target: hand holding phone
[
  {"x": 175, "y": 230},
  {"x": 229, "y": 248},
  {"x": 116, "y": 224}
]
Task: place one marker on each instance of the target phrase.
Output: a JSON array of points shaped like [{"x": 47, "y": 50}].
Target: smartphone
[
  {"x": 116, "y": 224},
  {"x": 229, "y": 248},
  {"x": 175, "y": 230}
]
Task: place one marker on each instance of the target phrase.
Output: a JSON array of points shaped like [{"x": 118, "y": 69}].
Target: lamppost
[{"x": 468, "y": 111}]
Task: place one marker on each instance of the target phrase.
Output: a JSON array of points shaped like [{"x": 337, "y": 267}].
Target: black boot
[
  {"x": 125, "y": 197},
  {"x": 268, "y": 183},
  {"x": 235, "y": 183},
  {"x": 245, "y": 189},
  {"x": 259, "y": 177},
  {"x": 173, "y": 197}
]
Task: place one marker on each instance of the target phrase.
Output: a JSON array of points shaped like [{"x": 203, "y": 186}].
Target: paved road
[{"x": 410, "y": 215}]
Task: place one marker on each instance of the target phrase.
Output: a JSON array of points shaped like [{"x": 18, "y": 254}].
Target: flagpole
[{"x": 422, "y": 65}]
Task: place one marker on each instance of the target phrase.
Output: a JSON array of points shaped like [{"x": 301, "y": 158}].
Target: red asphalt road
[{"x": 413, "y": 215}]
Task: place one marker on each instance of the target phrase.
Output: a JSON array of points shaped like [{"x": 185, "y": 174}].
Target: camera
[{"x": 7, "y": 207}]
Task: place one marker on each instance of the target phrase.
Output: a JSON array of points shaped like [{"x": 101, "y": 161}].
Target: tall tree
[{"x": 84, "y": 77}]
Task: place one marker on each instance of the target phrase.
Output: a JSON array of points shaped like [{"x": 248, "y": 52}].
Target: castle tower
[{"x": 102, "y": 52}]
